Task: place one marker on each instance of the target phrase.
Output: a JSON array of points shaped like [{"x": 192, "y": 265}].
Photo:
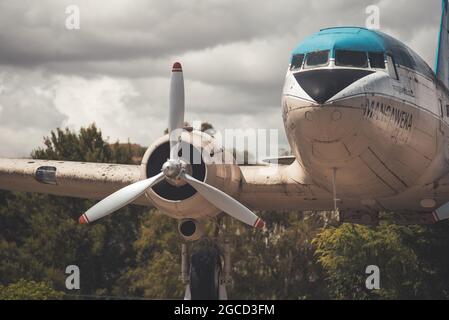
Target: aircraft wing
[
  {"x": 282, "y": 187},
  {"x": 68, "y": 178},
  {"x": 263, "y": 187}
]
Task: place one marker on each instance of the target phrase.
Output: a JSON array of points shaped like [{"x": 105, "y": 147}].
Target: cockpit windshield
[
  {"x": 359, "y": 59},
  {"x": 358, "y": 48},
  {"x": 317, "y": 59},
  {"x": 348, "y": 58},
  {"x": 343, "y": 58},
  {"x": 297, "y": 61},
  {"x": 377, "y": 60}
]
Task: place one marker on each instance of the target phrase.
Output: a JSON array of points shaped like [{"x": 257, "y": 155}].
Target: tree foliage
[
  {"x": 412, "y": 260},
  {"x": 29, "y": 290},
  {"x": 136, "y": 251},
  {"x": 278, "y": 263},
  {"x": 40, "y": 234}
]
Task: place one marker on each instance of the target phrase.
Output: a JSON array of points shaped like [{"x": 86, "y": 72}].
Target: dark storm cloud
[
  {"x": 34, "y": 33},
  {"x": 112, "y": 30},
  {"x": 115, "y": 70},
  {"x": 132, "y": 39}
]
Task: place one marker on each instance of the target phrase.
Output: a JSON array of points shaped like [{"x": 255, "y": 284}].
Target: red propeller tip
[
  {"x": 177, "y": 67},
  {"x": 83, "y": 219},
  {"x": 260, "y": 224}
]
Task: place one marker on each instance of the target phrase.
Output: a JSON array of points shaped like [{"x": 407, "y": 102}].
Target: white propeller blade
[
  {"x": 225, "y": 202},
  {"x": 176, "y": 108},
  {"x": 171, "y": 169},
  {"x": 119, "y": 199}
]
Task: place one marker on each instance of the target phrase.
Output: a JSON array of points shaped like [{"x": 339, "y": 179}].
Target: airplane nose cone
[{"x": 321, "y": 85}]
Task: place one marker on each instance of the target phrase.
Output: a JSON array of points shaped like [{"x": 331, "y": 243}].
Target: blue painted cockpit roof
[
  {"x": 343, "y": 38},
  {"x": 362, "y": 39}
]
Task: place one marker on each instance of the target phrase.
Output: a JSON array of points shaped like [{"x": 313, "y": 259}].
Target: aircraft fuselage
[{"x": 381, "y": 133}]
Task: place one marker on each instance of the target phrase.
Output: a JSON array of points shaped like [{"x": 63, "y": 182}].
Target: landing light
[{"x": 428, "y": 203}]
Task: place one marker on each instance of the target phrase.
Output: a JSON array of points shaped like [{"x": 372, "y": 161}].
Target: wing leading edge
[
  {"x": 67, "y": 178},
  {"x": 263, "y": 187}
]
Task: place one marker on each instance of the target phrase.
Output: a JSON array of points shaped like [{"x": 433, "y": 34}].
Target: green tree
[
  {"x": 406, "y": 257},
  {"x": 158, "y": 259},
  {"x": 88, "y": 145},
  {"x": 41, "y": 235},
  {"x": 29, "y": 290},
  {"x": 278, "y": 263}
]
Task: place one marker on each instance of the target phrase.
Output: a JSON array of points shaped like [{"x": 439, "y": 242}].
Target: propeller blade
[
  {"x": 176, "y": 109},
  {"x": 225, "y": 202},
  {"x": 119, "y": 199}
]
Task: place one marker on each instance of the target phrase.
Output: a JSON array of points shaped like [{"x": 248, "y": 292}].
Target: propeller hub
[{"x": 172, "y": 169}]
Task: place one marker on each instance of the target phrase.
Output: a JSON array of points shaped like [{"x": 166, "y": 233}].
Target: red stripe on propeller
[
  {"x": 83, "y": 219},
  {"x": 260, "y": 224},
  {"x": 177, "y": 67}
]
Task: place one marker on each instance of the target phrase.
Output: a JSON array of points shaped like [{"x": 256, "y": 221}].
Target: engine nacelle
[
  {"x": 209, "y": 162},
  {"x": 191, "y": 230}
]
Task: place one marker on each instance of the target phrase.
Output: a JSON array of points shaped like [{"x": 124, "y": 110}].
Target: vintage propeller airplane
[{"x": 365, "y": 116}]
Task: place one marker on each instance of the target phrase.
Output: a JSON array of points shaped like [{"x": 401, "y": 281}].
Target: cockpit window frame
[
  {"x": 348, "y": 65},
  {"x": 307, "y": 66},
  {"x": 372, "y": 53},
  {"x": 292, "y": 68},
  {"x": 392, "y": 68}
]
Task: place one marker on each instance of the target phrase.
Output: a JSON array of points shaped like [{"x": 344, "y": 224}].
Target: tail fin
[{"x": 442, "y": 58}]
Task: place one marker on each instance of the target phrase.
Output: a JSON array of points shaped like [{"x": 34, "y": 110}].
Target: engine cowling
[
  {"x": 190, "y": 229},
  {"x": 207, "y": 161}
]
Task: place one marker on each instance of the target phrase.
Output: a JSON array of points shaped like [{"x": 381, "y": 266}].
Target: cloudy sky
[{"x": 115, "y": 69}]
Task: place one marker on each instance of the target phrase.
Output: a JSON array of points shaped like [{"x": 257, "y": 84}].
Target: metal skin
[
  {"x": 382, "y": 164},
  {"x": 381, "y": 141},
  {"x": 224, "y": 176},
  {"x": 199, "y": 229}
]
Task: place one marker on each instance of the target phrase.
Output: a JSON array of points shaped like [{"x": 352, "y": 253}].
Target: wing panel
[{"x": 67, "y": 178}]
